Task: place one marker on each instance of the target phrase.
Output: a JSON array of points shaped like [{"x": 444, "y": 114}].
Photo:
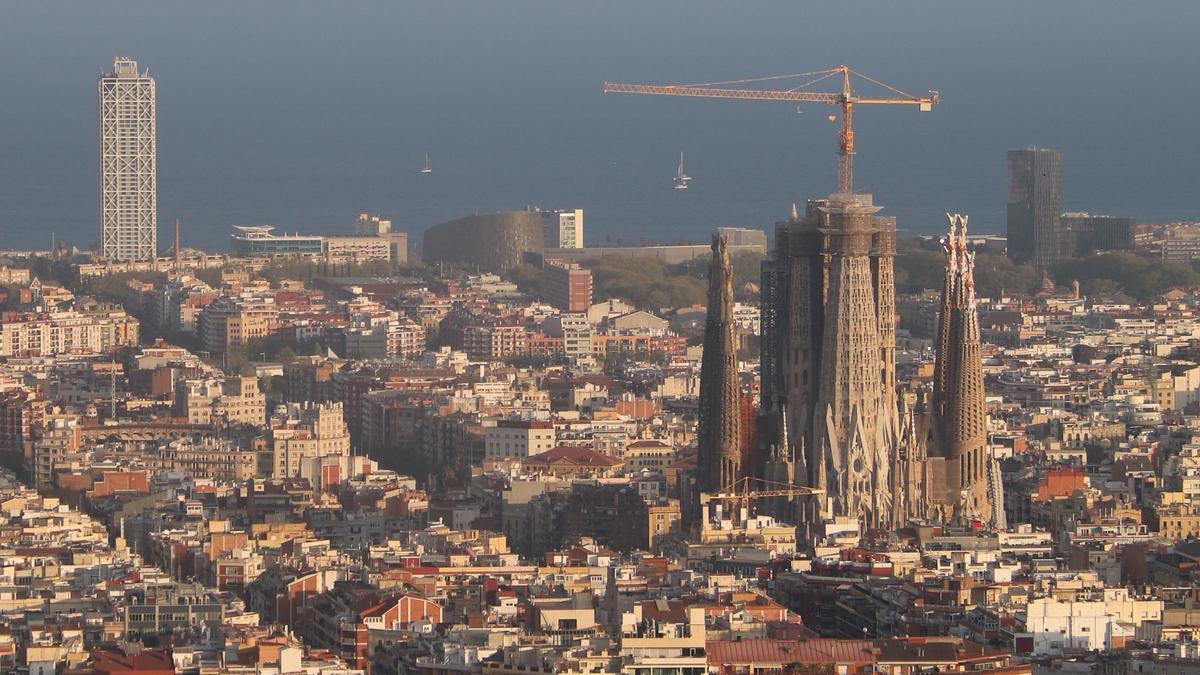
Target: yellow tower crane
[
  {"x": 740, "y": 492},
  {"x": 846, "y": 98}
]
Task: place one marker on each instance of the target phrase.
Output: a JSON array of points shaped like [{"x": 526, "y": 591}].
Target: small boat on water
[{"x": 681, "y": 178}]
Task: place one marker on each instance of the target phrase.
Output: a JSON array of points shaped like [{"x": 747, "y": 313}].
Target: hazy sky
[{"x": 300, "y": 114}]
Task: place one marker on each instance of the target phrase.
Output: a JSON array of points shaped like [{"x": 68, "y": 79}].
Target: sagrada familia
[{"x": 831, "y": 416}]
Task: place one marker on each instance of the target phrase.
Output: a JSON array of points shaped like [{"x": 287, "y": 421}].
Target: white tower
[{"x": 128, "y": 164}]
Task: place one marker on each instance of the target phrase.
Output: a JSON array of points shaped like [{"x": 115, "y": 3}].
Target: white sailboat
[
  {"x": 681, "y": 178},
  {"x": 426, "y": 168}
]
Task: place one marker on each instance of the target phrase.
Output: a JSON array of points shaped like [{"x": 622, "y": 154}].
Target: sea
[{"x": 303, "y": 114}]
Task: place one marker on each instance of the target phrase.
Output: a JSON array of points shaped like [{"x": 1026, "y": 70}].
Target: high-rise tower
[
  {"x": 719, "y": 458},
  {"x": 829, "y": 351},
  {"x": 128, "y": 164},
  {"x": 1034, "y": 207},
  {"x": 960, "y": 471}
]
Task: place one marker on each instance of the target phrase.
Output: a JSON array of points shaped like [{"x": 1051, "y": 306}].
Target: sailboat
[
  {"x": 426, "y": 168},
  {"x": 681, "y": 178}
]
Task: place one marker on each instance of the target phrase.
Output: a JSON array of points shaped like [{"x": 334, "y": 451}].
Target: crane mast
[{"x": 846, "y": 99}]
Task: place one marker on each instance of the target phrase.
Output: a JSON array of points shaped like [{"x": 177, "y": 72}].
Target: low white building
[
  {"x": 1093, "y": 620},
  {"x": 518, "y": 439}
]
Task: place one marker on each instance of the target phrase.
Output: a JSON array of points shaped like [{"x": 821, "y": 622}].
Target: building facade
[
  {"x": 566, "y": 286},
  {"x": 563, "y": 228},
  {"x": 128, "y": 164},
  {"x": 1034, "y": 207},
  {"x": 1085, "y": 234},
  {"x": 259, "y": 240},
  {"x": 34, "y": 335},
  {"x": 227, "y": 322},
  {"x": 491, "y": 242},
  {"x": 518, "y": 439}
]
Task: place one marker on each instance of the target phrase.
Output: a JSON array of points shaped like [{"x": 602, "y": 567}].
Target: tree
[
  {"x": 528, "y": 279},
  {"x": 646, "y": 282},
  {"x": 798, "y": 668},
  {"x": 1143, "y": 279}
]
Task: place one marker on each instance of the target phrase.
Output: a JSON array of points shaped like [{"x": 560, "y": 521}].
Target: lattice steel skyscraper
[{"x": 128, "y": 164}]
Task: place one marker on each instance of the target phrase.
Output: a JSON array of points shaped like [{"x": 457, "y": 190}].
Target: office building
[
  {"x": 128, "y": 164},
  {"x": 368, "y": 224},
  {"x": 563, "y": 228},
  {"x": 1084, "y": 234},
  {"x": 1034, "y": 207},
  {"x": 251, "y": 241},
  {"x": 1182, "y": 244},
  {"x": 566, "y": 286},
  {"x": 259, "y": 240},
  {"x": 743, "y": 237}
]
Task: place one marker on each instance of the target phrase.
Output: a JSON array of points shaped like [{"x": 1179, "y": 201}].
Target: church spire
[
  {"x": 719, "y": 454},
  {"x": 959, "y": 409}
]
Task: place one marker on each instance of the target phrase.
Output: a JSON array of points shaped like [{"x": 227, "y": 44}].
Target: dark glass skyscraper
[{"x": 1034, "y": 207}]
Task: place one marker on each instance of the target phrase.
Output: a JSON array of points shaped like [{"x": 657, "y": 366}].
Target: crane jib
[{"x": 845, "y": 98}]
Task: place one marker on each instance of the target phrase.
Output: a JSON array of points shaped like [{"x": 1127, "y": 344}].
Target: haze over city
[
  {"x": 302, "y": 118},
  {"x": 610, "y": 338}
]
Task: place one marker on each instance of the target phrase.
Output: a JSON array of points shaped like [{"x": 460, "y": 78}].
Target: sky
[{"x": 302, "y": 114}]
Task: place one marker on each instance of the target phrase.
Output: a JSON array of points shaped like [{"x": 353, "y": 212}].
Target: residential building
[
  {"x": 566, "y": 286},
  {"x": 518, "y": 439},
  {"x": 304, "y": 431},
  {"x": 230, "y": 322},
  {"x": 494, "y": 341},
  {"x": 1104, "y": 620}
]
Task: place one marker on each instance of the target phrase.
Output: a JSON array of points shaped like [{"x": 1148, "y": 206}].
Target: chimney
[{"x": 176, "y": 244}]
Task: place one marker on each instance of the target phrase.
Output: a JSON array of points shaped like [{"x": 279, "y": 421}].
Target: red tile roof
[
  {"x": 116, "y": 661},
  {"x": 572, "y": 455},
  {"x": 819, "y": 650}
]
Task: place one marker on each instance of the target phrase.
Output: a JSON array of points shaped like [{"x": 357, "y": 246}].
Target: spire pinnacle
[
  {"x": 951, "y": 244},
  {"x": 784, "y": 432}
]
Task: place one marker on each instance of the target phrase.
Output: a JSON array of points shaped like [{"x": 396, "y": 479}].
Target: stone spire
[
  {"x": 959, "y": 412},
  {"x": 855, "y": 424},
  {"x": 783, "y": 465},
  {"x": 719, "y": 458}
]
